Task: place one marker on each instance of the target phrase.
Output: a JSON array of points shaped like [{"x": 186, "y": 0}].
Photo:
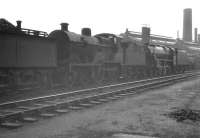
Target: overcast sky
[{"x": 113, "y": 16}]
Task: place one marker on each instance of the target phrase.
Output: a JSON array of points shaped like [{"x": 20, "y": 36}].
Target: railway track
[{"x": 17, "y": 113}]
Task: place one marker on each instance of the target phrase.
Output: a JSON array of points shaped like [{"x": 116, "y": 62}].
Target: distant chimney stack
[
  {"x": 64, "y": 26},
  {"x": 187, "y": 25},
  {"x": 19, "y": 24},
  {"x": 195, "y": 35}
]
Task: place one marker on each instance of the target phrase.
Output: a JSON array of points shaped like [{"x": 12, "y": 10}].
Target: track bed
[{"x": 142, "y": 114}]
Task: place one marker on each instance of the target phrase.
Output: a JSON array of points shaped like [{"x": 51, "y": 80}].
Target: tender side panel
[
  {"x": 8, "y": 51},
  {"x": 26, "y": 52},
  {"x": 36, "y": 53}
]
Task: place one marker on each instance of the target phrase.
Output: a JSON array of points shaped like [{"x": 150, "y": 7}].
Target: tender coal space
[{"x": 185, "y": 114}]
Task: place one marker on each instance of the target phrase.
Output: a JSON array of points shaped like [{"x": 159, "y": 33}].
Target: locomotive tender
[
  {"x": 26, "y": 56},
  {"x": 34, "y": 59}
]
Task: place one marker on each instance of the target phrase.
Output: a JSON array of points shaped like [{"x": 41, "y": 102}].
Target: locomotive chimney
[
  {"x": 19, "y": 23},
  {"x": 64, "y": 26},
  {"x": 195, "y": 35},
  {"x": 86, "y": 32},
  {"x": 145, "y": 35},
  {"x": 187, "y": 25}
]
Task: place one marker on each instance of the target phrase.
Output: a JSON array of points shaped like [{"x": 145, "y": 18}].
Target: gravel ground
[{"x": 142, "y": 114}]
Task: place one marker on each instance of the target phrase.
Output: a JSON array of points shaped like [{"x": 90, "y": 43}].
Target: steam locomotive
[{"x": 31, "y": 58}]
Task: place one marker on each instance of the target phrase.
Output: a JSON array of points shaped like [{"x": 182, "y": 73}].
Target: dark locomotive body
[
  {"x": 27, "y": 57},
  {"x": 64, "y": 58},
  {"x": 135, "y": 59},
  {"x": 140, "y": 58},
  {"x": 83, "y": 59}
]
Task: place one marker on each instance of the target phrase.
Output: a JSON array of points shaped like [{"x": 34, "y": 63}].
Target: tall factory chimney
[
  {"x": 195, "y": 35},
  {"x": 187, "y": 25}
]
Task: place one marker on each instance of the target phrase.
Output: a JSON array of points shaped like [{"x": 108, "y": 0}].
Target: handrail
[{"x": 34, "y": 32}]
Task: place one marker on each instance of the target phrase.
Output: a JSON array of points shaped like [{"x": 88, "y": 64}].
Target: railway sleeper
[
  {"x": 29, "y": 119},
  {"x": 112, "y": 98},
  {"x": 85, "y": 104},
  {"x": 25, "y": 107},
  {"x": 103, "y": 100},
  {"x": 28, "y": 116},
  {"x": 117, "y": 95},
  {"x": 12, "y": 121},
  {"x": 11, "y": 115},
  {"x": 74, "y": 107},
  {"x": 11, "y": 124},
  {"x": 94, "y": 102},
  {"x": 47, "y": 114},
  {"x": 60, "y": 110},
  {"x": 122, "y": 94}
]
